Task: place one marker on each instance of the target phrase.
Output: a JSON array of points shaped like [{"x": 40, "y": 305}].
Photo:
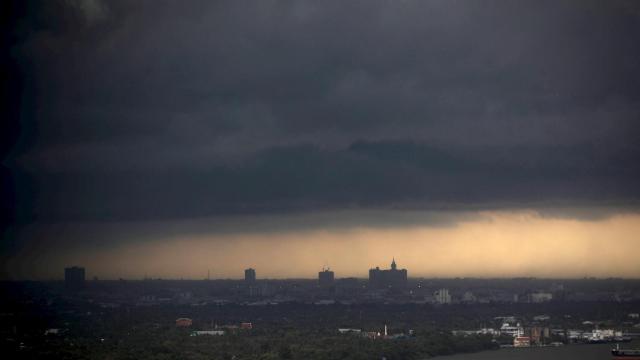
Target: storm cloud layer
[{"x": 153, "y": 110}]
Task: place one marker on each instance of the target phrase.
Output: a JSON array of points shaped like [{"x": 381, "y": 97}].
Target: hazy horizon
[
  {"x": 464, "y": 138},
  {"x": 482, "y": 244}
]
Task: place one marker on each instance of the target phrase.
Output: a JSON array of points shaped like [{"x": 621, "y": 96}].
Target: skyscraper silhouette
[
  {"x": 74, "y": 278},
  {"x": 392, "y": 278},
  {"x": 250, "y": 275},
  {"x": 325, "y": 278}
]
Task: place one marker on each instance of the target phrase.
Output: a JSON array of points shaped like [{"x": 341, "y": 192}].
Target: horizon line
[{"x": 57, "y": 279}]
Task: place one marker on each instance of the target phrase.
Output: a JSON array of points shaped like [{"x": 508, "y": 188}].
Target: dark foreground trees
[{"x": 171, "y": 343}]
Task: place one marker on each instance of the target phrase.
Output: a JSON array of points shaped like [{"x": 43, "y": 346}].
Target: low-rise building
[
  {"x": 510, "y": 330},
  {"x": 208, "y": 332},
  {"x": 541, "y": 318},
  {"x": 52, "y": 331},
  {"x": 488, "y": 331},
  {"x": 469, "y": 298},
  {"x": 184, "y": 322},
  {"x": 540, "y": 297},
  {"x": 522, "y": 341}
]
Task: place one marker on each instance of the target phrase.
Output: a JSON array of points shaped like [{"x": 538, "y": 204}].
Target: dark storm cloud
[{"x": 161, "y": 110}]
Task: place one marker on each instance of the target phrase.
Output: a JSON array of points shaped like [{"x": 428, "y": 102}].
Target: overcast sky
[{"x": 134, "y": 120}]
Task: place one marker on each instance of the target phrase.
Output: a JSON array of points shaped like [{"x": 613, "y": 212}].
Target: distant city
[
  {"x": 392, "y": 284},
  {"x": 386, "y": 313}
]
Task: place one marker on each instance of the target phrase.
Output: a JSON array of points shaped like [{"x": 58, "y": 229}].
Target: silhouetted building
[
  {"x": 250, "y": 275},
  {"x": 74, "y": 278},
  {"x": 325, "y": 278},
  {"x": 392, "y": 278}
]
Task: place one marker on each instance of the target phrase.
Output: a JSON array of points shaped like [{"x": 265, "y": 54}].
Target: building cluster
[
  {"x": 390, "y": 285},
  {"x": 539, "y": 332},
  {"x": 537, "y": 336},
  {"x": 597, "y": 336},
  {"x": 216, "y": 331},
  {"x": 385, "y": 334},
  {"x": 392, "y": 278},
  {"x": 522, "y": 336}
]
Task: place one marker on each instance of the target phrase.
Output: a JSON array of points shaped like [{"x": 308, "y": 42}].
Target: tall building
[
  {"x": 325, "y": 278},
  {"x": 74, "y": 278},
  {"x": 442, "y": 296},
  {"x": 250, "y": 275},
  {"x": 392, "y": 278}
]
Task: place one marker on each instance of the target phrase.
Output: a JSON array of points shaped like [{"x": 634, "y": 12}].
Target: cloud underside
[
  {"x": 161, "y": 110},
  {"x": 403, "y": 176}
]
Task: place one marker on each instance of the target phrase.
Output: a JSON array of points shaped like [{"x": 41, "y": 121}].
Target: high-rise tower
[
  {"x": 250, "y": 275},
  {"x": 74, "y": 278},
  {"x": 325, "y": 278}
]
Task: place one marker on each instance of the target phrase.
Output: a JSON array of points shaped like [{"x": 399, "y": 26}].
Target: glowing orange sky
[{"x": 494, "y": 244}]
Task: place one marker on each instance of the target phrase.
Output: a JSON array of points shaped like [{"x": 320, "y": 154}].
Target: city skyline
[
  {"x": 320, "y": 180},
  {"x": 539, "y": 254},
  {"x": 285, "y": 135}
]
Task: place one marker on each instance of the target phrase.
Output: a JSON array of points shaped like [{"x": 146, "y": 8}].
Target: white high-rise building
[{"x": 442, "y": 296}]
